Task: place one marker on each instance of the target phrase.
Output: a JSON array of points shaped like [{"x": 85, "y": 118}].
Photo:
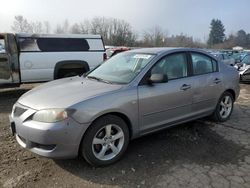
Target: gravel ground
[{"x": 196, "y": 154}]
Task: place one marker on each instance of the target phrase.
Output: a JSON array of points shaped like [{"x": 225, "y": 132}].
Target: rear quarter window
[{"x": 95, "y": 44}]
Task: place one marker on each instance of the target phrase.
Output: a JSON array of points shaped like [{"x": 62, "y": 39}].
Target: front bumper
[{"x": 54, "y": 140}]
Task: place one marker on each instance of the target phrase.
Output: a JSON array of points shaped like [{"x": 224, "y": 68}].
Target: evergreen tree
[
  {"x": 242, "y": 38},
  {"x": 216, "y": 34}
]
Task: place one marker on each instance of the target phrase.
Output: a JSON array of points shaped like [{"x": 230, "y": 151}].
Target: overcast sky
[{"x": 191, "y": 17}]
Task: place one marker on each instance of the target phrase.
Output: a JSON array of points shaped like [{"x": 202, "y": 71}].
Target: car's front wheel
[
  {"x": 224, "y": 107},
  {"x": 105, "y": 141}
]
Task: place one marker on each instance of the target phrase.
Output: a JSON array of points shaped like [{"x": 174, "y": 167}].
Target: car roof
[{"x": 165, "y": 49}]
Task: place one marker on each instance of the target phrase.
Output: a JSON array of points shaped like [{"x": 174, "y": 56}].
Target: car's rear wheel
[
  {"x": 105, "y": 141},
  {"x": 224, "y": 107}
]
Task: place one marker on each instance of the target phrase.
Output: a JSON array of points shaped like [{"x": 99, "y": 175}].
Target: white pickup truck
[{"x": 26, "y": 58}]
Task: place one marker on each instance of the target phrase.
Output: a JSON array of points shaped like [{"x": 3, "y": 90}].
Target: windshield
[
  {"x": 122, "y": 68},
  {"x": 246, "y": 60},
  {"x": 218, "y": 56}
]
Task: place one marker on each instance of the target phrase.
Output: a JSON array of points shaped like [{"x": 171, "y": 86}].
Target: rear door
[
  {"x": 163, "y": 103},
  {"x": 207, "y": 83}
]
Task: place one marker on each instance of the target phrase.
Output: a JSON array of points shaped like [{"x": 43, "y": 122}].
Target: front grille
[{"x": 18, "y": 111}]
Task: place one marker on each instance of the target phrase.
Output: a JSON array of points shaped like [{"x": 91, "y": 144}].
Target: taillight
[{"x": 104, "y": 56}]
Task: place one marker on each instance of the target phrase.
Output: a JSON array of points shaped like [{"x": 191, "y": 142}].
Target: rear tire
[
  {"x": 105, "y": 141},
  {"x": 224, "y": 107}
]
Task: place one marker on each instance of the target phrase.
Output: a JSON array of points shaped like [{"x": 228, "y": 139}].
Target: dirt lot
[{"x": 195, "y": 154}]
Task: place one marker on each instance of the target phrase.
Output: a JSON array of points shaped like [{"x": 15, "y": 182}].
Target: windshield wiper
[{"x": 99, "y": 79}]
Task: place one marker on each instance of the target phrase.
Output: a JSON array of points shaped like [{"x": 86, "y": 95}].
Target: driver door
[{"x": 163, "y": 103}]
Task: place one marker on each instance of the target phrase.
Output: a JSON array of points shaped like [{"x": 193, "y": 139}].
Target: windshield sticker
[{"x": 142, "y": 56}]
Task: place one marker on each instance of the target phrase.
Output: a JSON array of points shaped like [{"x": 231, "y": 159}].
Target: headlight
[{"x": 50, "y": 115}]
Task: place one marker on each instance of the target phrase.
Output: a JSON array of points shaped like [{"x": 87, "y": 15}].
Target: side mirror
[{"x": 158, "y": 78}]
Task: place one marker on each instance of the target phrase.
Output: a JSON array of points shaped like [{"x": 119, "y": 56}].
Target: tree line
[
  {"x": 118, "y": 32},
  {"x": 218, "y": 39}
]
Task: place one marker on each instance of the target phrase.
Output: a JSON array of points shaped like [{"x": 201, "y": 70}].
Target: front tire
[
  {"x": 105, "y": 141},
  {"x": 224, "y": 107}
]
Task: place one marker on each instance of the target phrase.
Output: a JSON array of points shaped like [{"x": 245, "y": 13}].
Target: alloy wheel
[
  {"x": 226, "y": 105},
  {"x": 108, "y": 142}
]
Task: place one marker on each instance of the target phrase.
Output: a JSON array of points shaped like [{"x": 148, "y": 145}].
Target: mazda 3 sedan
[{"x": 132, "y": 94}]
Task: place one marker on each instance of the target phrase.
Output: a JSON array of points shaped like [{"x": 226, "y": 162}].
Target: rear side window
[
  {"x": 203, "y": 64},
  {"x": 60, "y": 44}
]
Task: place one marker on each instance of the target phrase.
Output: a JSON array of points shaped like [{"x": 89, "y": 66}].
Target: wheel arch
[
  {"x": 118, "y": 114},
  {"x": 121, "y": 115},
  {"x": 232, "y": 93},
  {"x": 70, "y": 64}
]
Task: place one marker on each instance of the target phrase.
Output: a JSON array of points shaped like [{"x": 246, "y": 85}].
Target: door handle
[
  {"x": 185, "y": 87},
  {"x": 217, "y": 80}
]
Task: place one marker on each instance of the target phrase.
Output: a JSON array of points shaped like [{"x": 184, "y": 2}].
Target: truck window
[
  {"x": 2, "y": 46},
  {"x": 62, "y": 44},
  {"x": 12, "y": 44},
  {"x": 28, "y": 45},
  {"x": 53, "y": 44}
]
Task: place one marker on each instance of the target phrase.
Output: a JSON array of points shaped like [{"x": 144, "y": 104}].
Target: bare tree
[
  {"x": 59, "y": 29},
  {"x": 46, "y": 27},
  {"x": 21, "y": 25},
  {"x": 36, "y": 27},
  {"x": 120, "y": 33},
  {"x": 75, "y": 29},
  {"x": 155, "y": 37},
  {"x": 63, "y": 28},
  {"x": 66, "y": 26},
  {"x": 113, "y": 31},
  {"x": 85, "y": 27}
]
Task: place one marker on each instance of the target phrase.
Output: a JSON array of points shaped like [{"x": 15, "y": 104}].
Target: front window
[
  {"x": 122, "y": 68},
  {"x": 174, "y": 66}
]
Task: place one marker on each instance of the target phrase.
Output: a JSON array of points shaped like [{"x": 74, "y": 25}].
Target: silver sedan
[{"x": 130, "y": 95}]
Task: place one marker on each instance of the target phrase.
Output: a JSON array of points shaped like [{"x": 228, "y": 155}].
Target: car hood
[{"x": 64, "y": 93}]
